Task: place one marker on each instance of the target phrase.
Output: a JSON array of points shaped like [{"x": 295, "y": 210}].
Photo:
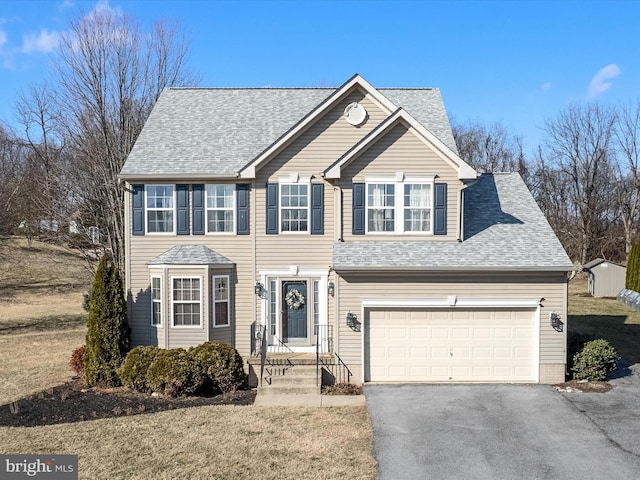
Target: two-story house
[{"x": 339, "y": 220}]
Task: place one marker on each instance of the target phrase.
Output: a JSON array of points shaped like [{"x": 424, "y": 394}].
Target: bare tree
[
  {"x": 625, "y": 173},
  {"x": 580, "y": 146},
  {"x": 489, "y": 149},
  {"x": 109, "y": 74}
]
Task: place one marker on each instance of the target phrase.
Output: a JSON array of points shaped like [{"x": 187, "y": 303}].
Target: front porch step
[{"x": 288, "y": 390}]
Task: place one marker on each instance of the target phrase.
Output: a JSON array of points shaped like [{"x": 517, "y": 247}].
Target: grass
[
  {"x": 604, "y": 318},
  {"x": 38, "y": 332}
]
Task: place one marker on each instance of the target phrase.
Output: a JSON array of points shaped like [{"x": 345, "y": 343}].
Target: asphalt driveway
[{"x": 504, "y": 432}]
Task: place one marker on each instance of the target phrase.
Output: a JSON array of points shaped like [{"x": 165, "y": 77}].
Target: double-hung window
[
  {"x": 160, "y": 208},
  {"x": 156, "y": 301},
  {"x": 417, "y": 207},
  {"x": 220, "y": 208},
  {"x": 399, "y": 206},
  {"x": 294, "y": 207},
  {"x": 381, "y": 207},
  {"x": 220, "y": 300},
  {"x": 186, "y": 301}
]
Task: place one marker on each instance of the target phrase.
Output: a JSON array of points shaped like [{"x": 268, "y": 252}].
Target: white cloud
[
  {"x": 44, "y": 42},
  {"x": 599, "y": 82},
  {"x": 545, "y": 87},
  {"x": 68, "y": 4}
]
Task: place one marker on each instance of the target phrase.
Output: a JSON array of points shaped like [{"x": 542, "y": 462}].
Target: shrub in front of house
[
  {"x": 595, "y": 361},
  {"x": 221, "y": 366},
  {"x": 173, "y": 372},
  {"x": 107, "y": 327},
  {"x": 77, "y": 360},
  {"x": 133, "y": 371}
]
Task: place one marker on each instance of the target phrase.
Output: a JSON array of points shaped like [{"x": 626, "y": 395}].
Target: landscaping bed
[{"x": 74, "y": 402}]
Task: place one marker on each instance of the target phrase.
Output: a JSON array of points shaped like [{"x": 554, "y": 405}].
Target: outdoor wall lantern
[
  {"x": 556, "y": 322},
  {"x": 351, "y": 320},
  {"x": 331, "y": 288},
  {"x": 258, "y": 289}
]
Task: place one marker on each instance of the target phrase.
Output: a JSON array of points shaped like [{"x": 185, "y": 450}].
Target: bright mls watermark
[{"x": 51, "y": 467}]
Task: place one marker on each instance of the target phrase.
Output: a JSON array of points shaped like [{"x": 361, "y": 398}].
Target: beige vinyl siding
[
  {"x": 237, "y": 248},
  {"x": 324, "y": 142},
  {"x": 551, "y": 287},
  {"x": 400, "y": 150},
  {"x": 288, "y": 248}
]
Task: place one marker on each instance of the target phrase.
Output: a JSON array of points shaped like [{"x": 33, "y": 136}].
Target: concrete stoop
[{"x": 290, "y": 380}]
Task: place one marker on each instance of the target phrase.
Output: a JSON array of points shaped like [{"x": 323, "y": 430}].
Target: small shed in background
[{"x": 606, "y": 278}]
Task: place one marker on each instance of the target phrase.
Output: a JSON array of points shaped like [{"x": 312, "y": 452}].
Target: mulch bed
[{"x": 74, "y": 402}]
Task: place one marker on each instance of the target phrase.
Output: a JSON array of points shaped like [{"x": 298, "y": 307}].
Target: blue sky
[{"x": 515, "y": 62}]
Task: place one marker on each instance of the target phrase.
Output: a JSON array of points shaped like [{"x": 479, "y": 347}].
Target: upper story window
[
  {"x": 417, "y": 207},
  {"x": 381, "y": 207},
  {"x": 399, "y": 207},
  {"x": 160, "y": 208},
  {"x": 220, "y": 208},
  {"x": 294, "y": 207}
]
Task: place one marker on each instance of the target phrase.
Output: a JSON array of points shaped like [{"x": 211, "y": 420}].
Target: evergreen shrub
[
  {"x": 173, "y": 372},
  {"x": 107, "y": 327},
  {"x": 133, "y": 371},
  {"x": 221, "y": 366},
  {"x": 595, "y": 361}
]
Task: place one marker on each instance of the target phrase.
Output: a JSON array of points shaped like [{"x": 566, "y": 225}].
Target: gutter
[
  {"x": 467, "y": 269},
  {"x": 176, "y": 176}
]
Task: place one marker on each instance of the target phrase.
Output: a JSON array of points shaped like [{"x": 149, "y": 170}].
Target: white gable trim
[
  {"x": 465, "y": 172},
  {"x": 249, "y": 171}
]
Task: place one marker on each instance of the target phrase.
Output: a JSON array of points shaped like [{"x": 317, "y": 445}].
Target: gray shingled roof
[
  {"x": 504, "y": 230},
  {"x": 190, "y": 255},
  {"x": 217, "y": 131}
]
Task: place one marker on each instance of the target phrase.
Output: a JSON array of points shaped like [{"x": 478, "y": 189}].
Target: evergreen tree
[
  {"x": 107, "y": 327},
  {"x": 633, "y": 269}
]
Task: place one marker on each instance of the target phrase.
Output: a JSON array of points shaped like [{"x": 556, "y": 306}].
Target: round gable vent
[{"x": 355, "y": 114}]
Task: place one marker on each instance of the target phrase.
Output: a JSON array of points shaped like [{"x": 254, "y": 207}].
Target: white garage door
[{"x": 450, "y": 345}]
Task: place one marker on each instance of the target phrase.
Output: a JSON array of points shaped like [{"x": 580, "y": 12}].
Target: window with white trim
[
  {"x": 220, "y": 208},
  {"x": 220, "y": 299},
  {"x": 160, "y": 201},
  {"x": 273, "y": 307},
  {"x": 294, "y": 207},
  {"x": 417, "y": 207},
  {"x": 156, "y": 301},
  {"x": 381, "y": 207},
  {"x": 399, "y": 207},
  {"x": 186, "y": 301}
]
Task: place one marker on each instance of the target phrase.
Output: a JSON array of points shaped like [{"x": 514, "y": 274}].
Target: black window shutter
[
  {"x": 198, "y": 208},
  {"x": 272, "y": 208},
  {"x": 182, "y": 204},
  {"x": 317, "y": 208},
  {"x": 137, "y": 206},
  {"x": 358, "y": 208},
  {"x": 242, "y": 206},
  {"x": 440, "y": 207}
]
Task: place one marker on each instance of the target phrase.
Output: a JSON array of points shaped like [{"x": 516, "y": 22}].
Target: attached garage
[{"x": 452, "y": 344}]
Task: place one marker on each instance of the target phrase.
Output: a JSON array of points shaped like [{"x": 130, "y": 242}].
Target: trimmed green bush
[
  {"x": 173, "y": 372},
  {"x": 107, "y": 327},
  {"x": 595, "y": 361},
  {"x": 221, "y": 365},
  {"x": 133, "y": 371}
]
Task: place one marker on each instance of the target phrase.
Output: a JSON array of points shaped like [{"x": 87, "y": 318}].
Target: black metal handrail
[{"x": 324, "y": 344}]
